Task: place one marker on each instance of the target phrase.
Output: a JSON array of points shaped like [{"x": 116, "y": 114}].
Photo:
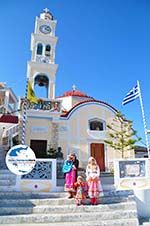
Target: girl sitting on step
[{"x": 80, "y": 187}]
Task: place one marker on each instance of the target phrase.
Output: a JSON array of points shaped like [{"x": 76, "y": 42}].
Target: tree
[{"x": 121, "y": 134}]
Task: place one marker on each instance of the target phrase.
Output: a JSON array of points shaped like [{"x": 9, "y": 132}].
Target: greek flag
[{"x": 131, "y": 95}]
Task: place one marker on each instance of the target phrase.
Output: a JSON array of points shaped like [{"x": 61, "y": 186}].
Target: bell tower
[{"x": 41, "y": 69}]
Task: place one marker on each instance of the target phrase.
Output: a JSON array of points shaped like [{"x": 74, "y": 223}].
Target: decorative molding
[
  {"x": 39, "y": 129},
  {"x": 42, "y": 170}
]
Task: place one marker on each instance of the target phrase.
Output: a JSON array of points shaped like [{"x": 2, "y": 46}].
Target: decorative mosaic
[
  {"x": 42, "y": 170},
  {"x": 51, "y": 106}
]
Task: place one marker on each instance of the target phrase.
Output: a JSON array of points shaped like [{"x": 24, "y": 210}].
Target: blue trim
[
  {"x": 41, "y": 117},
  {"x": 84, "y": 104}
]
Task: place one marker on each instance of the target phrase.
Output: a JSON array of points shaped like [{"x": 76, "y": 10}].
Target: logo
[{"x": 20, "y": 159}]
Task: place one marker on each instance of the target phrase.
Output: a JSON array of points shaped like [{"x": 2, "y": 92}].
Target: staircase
[
  {"x": 49, "y": 209},
  {"x": 7, "y": 181}
]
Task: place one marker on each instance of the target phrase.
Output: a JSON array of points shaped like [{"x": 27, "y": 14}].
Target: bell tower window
[
  {"x": 41, "y": 84},
  {"x": 47, "y": 50},
  {"x": 39, "y": 49}
]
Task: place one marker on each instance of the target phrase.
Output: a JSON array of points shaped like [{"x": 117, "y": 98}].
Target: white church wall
[
  {"x": 66, "y": 103},
  {"x": 80, "y": 135}
]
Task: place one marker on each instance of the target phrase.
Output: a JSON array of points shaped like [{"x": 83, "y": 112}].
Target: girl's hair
[
  {"x": 92, "y": 163},
  {"x": 73, "y": 155},
  {"x": 80, "y": 177},
  {"x": 69, "y": 157}
]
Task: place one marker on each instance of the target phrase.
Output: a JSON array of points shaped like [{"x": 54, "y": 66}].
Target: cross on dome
[
  {"x": 74, "y": 87},
  {"x": 46, "y": 10}
]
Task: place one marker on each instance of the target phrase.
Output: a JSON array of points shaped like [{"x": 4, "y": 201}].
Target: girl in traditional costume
[
  {"x": 92, "y": 177},
  {"x": 80, "y": 187},
  {"x": 69, "y": 170}
]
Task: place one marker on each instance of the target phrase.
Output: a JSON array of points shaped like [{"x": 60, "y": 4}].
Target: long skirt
[
  {"x": 94, "y": 187},
  {"x": 70, "y": 179},
  {"x": 81, "y": 192}
]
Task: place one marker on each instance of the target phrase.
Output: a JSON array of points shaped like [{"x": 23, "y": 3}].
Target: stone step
[
  {"x": 144, "y": 221},
  {"x": 14, "y": 210},
  {"x": 56, "y": 201},
  {"x": 14, "y": 195},
  {"x": 116, "y": 222},
  {"x": 107, "y": 174},
  {"x": 68, "y": 217},
  {"x": 7, "y": 188},
  {"x": 31, "y": 195},
  {"x": 7, "y": 176},
  {"x": 7, "y": 182},
  {"x": 5, "y": 171}
]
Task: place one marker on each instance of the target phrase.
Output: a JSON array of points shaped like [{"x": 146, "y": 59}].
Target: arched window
[
  {"x": 47, "y": 50},
  {"x": 41, "y": 84},
  {"x": 96, "y": 124},
  {"x": 39, "y": 49}
]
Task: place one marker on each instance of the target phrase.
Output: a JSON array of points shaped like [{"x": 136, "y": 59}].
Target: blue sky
[{"x": 103, "y": 48}]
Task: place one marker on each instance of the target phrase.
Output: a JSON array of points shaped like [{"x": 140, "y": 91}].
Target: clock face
[{"x": 45, "y": 29}]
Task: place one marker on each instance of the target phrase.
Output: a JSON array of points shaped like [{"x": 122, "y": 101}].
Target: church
[{"x": 74, "y": 121}]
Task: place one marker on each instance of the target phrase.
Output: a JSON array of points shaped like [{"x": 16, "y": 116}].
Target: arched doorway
[{"x": 97, "y": 151}]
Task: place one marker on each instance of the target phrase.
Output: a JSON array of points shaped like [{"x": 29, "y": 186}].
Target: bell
[{"x": 41, "y": 83}]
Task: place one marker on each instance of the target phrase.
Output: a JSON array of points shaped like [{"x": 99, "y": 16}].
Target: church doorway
[
  {"x": 97, "y": 151},
  {"x": 39, "y": 147}
]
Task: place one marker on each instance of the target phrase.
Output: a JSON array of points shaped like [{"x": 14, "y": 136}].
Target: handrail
[{"x": 11, "y": 130}]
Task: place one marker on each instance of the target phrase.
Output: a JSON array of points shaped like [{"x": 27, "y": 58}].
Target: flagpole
[
  {"x": 24, "y": 114},
  {"x": 144, "y": 119}
]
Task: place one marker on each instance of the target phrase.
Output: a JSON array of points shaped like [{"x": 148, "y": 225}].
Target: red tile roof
[
  {"x": 9, "y": 119},
  {"x": 75, "y": 93}
]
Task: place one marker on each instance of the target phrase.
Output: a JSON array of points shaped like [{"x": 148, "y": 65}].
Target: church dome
[{"x": 75, "y": 93}]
